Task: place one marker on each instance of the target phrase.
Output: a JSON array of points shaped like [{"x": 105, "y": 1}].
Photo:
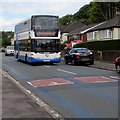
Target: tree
[
  {"x": 96, "y": 14},
  {"x": 83, "y": 14},
  {"x": 66, "y": 19},
  {"x": 6, "y": 38},
  {"x": 93, "y": 12},
  {"x": 108, "y": 9},
  {"x": 0, "y": 39}
]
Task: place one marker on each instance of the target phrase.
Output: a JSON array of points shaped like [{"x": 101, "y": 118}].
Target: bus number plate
[{"x": 46, "y": 60}]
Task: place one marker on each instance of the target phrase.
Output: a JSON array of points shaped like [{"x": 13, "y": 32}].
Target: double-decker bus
[{"x": 38, "y": 39}]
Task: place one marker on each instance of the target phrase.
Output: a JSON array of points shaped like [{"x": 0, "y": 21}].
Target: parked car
[
  {"x": 117, "y": 64},
  {"x": 9, "y": 50},
  {"x": 79, "y": 55}
]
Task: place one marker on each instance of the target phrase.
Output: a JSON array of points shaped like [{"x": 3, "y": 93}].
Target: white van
[{"x": 9, "y": 50}]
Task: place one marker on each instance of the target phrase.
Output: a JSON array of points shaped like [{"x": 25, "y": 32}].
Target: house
[
  {"x": 63, "y": 33},
  {"x": 66, "y": 29},
  {"x": 108, "y": 30},
  {"x": 80, "y": 35}
]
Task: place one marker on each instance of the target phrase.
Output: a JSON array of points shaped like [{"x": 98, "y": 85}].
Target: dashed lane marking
[
  {"x": 49, "y": 82},
  {"x": 67, "y": 71},
  {"x": 94, "y": 79},
  {"x": 47, "y": 66}
]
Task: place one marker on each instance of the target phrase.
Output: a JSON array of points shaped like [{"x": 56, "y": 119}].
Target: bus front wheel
[{"x": 16, "y": 56}]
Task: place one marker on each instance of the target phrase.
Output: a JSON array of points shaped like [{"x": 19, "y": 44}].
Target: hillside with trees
[{"x": 94, "y": 12}]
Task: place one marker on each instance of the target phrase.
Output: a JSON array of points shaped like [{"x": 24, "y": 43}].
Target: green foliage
[
  {"x": 63, "y": 45},
  {"x": 101, "y": 45},
  {"x": 94, "y": 12},
  {"x": 6, "y": 38},
  {"x": 0, "y": 39},
  {"x": 83, "y": 13},
  {"x": 66, "y": 19},
  {"x": 109, "y": 9}
]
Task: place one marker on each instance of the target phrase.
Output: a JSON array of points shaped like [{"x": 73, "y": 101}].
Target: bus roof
[
  {"x": 44, "y": 16},
  {"x": 36, "y": 16}
]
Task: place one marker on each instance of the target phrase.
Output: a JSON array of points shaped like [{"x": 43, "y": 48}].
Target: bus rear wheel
[{"x": 26, "y": 58}]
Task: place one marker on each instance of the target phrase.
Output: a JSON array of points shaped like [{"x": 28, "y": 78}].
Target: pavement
[
  {"x": 17, "y": 104},
  {"x": 104, "y": 65}
]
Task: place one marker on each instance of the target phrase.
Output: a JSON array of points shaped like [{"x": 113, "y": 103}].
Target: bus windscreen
[{"x": 45, "y": 45}]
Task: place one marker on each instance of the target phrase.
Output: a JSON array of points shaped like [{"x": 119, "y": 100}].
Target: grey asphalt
[{"x": 16, "y": 104}]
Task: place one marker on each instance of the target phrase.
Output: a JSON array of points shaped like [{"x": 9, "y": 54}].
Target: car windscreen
[
  {"x": 82, "y": 50},
  {"x": 10, "y": 47}
]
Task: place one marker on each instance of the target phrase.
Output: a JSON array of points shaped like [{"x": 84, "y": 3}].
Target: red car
[{"x": 117, "y": 64}]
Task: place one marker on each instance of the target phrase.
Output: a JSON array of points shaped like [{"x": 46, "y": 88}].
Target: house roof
[
  {"x": 63, "y": 27},
  {"x": 79, "y": 30},
  {"x": 85, "y": 28},
  {"x": 72, "y": 26},
  {"x": 115, "y": 22}
]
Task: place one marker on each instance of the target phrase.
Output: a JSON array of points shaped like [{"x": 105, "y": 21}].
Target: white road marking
[
  {"x": 113, "y": 80},
  {"x": 115, "y": 77},
  {"x": 51, "y": 84},
  {"x": 99, "y": 81},
  {"x": 67, "y": 71},
  {"x": 46, "y": 66},
  {"x": 31, "y": 84},
  {"x": 57, "y": 84}
]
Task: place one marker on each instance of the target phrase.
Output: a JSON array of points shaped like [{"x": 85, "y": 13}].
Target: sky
[{"x": 14, "y": 11}]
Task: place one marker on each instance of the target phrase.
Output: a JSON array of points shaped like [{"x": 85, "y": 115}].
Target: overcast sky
[{"x": 13, "y": 11}]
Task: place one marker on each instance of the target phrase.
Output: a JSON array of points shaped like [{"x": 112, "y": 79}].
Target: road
[{"x": 73, "y": 91}]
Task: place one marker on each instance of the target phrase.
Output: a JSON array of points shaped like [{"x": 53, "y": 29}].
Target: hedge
[{"x": 101, "y": 45}]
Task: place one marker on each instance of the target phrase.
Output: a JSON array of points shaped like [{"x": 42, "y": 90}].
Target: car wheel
[
  {"x": 92, "y": 63},
  {"x": 74, "y": 62},
  {"x": 5, "y": 54},
  {"x": 118, "y": 68},
  {"x": 66, "y": 61}
]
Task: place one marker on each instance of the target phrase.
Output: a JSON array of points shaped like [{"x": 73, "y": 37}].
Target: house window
[
  {"x": 106, "y": 34},
  {"x": 95, "y": 35},
  {"x": 103, "y": 34},
  {"x": 92, "y": 35},
  {"x": 109, "y": 33}
]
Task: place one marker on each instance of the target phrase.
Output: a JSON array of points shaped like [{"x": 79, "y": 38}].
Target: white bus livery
[{"x": 38, "y": 39}]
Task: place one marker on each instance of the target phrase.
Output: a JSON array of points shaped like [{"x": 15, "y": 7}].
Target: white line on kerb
[{"x": 67, "y": 71}]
